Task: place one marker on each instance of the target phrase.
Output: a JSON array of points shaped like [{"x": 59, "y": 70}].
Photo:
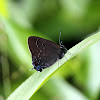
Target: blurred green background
[{"x": 78, "y": 19}]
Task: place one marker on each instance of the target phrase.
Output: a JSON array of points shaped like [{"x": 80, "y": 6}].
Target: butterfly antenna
[{"x": 59, "y": 36}]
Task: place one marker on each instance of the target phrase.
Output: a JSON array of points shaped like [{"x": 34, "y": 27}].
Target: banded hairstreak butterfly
[{"x": 45, "y": 52}]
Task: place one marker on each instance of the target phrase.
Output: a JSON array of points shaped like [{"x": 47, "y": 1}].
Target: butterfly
[{"x": 45, "y": 52}]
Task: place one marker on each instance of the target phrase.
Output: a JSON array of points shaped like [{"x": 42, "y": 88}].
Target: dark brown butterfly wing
[{"x": 44, "y": 52}]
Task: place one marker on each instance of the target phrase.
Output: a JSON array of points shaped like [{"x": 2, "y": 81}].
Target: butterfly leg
[{"x": 31, "y": 69}]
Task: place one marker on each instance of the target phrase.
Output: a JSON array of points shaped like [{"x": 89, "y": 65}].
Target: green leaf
[
  {"x": 63, "y": 90},
  {"x": 93, "y": 79},
  {"x": 35, "y": 81}
]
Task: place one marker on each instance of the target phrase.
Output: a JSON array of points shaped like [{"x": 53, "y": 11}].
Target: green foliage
[
  {"x": 77, "y": 78},
  {"x": 34, "y": 82}
]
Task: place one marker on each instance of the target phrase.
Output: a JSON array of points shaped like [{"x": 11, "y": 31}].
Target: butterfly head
[{"x": 63, "y": 50}]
